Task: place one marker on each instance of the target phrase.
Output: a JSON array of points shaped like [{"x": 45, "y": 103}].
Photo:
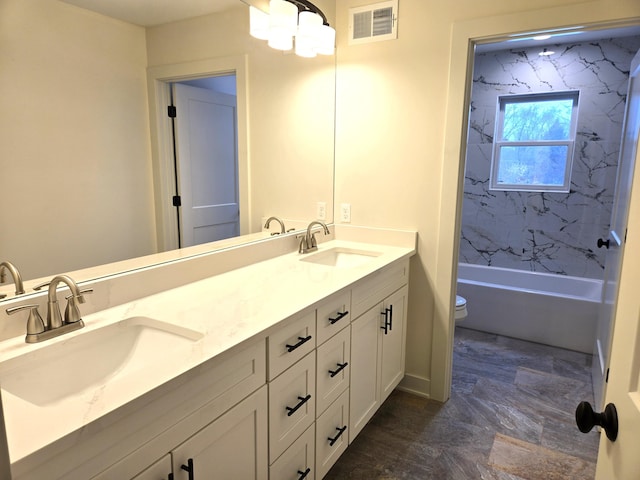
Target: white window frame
[{"x": 498, "y": 143}]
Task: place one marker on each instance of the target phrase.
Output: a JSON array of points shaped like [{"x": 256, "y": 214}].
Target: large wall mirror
[{"x": 82, "y": 149}]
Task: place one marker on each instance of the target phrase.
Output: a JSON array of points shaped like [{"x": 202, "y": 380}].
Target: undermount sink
[
  {"x": 341, "y": 257},
  {"x": 89, "y": 360}
]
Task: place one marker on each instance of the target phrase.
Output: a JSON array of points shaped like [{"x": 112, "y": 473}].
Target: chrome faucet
[
  {"x": 17, "y": 278},
  {"x": 37, "y": 330},
  {"x": 282, "y": 229},
  {"x": 308, "y": 241}
]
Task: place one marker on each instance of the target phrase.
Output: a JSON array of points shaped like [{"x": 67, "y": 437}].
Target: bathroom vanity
[{"x": 261, "y": 369}]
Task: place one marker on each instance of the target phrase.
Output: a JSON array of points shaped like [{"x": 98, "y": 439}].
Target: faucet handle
[
  {"x": 35, "y": 325},
  {"x": 72, "y": 312},
  {"x": 40, "y": 286}
]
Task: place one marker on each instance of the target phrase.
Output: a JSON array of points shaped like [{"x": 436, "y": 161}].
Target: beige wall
[
  {"x": 400, "y": 119},
  {"x": 75, "y": 162}
]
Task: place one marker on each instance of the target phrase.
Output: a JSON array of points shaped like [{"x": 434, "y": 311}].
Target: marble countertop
[{"x": 223, "y": 311}]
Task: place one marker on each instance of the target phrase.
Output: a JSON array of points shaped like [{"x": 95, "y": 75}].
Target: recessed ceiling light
[{"x": 542, "y": 37}]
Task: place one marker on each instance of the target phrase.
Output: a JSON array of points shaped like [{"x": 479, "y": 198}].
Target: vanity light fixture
[
  {"x": 546, "y": 53},
  {"x": 289, "y": 19}
]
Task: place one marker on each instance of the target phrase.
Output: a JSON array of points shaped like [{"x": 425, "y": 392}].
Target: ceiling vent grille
[{"x": 373, "y": 23}]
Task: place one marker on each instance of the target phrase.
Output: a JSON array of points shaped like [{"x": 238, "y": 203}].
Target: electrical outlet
[
  {"x": 345, "y": 212},
  {"x": 321, "y": 210}
]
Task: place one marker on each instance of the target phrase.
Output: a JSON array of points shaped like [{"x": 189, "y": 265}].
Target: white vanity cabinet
[
  {"x": 158, "y": 471},
  {"x": 377, "y": 342},
  {"x": 234, "y": 446},
  {"x": 285, "y": 404}
]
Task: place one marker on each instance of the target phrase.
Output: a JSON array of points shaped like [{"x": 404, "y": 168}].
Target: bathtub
[{"x": 551, "y": 309}]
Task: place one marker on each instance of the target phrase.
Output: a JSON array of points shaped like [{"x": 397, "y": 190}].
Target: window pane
[
  {"x": 532, "y": 165},
  {"x": 543, "y": 120}
]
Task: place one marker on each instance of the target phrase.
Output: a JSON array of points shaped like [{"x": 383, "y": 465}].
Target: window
[{"x": 534, "y": 142}]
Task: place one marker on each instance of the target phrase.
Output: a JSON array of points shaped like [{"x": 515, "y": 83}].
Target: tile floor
[{"x": 510, "y": 417}]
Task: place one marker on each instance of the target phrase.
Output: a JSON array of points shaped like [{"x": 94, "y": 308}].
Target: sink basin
[
  {"x": 88, "y": 360},
  {"x": 341, "y": 257}
]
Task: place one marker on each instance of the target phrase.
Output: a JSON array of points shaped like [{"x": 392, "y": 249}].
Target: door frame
[
  {"x": 159, "y": 81},
  {"x": 465, "y": 36}
]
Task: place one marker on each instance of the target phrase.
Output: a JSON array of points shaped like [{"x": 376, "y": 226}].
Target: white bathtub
[{"x": 551, "y": 309}]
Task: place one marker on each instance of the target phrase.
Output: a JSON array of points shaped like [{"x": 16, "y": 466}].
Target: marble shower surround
[{"x": 547, "y": 232}]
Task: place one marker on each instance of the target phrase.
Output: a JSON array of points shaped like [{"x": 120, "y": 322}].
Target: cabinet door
[
  {"x": 332, "y": 377},
  {"x": 298, "y": 461},
  {"x": 158, "y": 471},
  {"x": 365, "y": 365},
  {"x": 393, "y": 340},
  {"x": 292, "y": 405},
  {"x": 234, "y": 446},
  {"x": 331, "y": 434}
]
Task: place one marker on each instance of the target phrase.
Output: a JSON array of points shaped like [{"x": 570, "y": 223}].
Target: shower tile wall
[{"x": 547, "y": 232}]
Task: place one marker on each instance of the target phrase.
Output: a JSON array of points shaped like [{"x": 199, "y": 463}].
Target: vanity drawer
[
  {"x": 291, "y": 343},
  {"x": 333, "y": 372},
  {"x": 297, "y": 460},
  {"x": 333, "y": 315},
  {"x": 292, "y": 405},
  {"x": 332, "y": 437},
  {"x": 368, "y": 292}
]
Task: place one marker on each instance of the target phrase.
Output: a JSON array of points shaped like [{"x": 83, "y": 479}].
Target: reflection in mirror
[{"x": 81, "y": 167}]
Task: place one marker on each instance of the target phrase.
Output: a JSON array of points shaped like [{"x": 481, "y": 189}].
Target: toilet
[{"x": 461, "y": 308}]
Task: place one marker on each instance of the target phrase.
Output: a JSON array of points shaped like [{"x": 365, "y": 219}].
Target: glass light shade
[
  {"x": 258, "y": 23},
  {"x": 283, "y": 17},
  {"x": 327, "y": 44},
  {"x": 280, "y": 41},
  {"x": 308, "y": 36}
]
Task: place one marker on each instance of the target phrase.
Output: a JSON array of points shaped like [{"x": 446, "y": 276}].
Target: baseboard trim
[{"x": 417, "y": 385}]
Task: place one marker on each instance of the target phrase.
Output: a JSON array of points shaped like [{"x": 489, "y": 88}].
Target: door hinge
[
  {"x": 171, "y": 111},
  {"x": 177, "y": 201},
  {"x": 606, "y": 378}
]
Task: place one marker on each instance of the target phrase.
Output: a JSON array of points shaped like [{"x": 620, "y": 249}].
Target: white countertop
[{"x": 228, "y": 309}]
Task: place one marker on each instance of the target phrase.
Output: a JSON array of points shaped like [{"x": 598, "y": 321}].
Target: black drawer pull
[
  {"x": 188, "y": 468},
  {"x": 170, "y": 477},
  {"x": 338, "y": 317},
  {"x": 335, "y": 439},
  {"x": 302, "y": 341},
  {"x": 341, "y": 366},
  {"x": 390, "y": 310},
  {"x": 303, "y": 400},
  {"x": 304, "y": 474}
]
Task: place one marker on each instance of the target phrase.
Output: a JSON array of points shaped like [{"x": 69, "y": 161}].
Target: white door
[
  {"x": 615, "y": 242},
  {"x": 619, "y": 460},
  {"x": 207, "y": 164}
]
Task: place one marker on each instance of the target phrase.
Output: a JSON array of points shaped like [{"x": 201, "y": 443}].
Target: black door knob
[
  {"x": 586, "y": 419},
  {"x": 603, "y": 243}
]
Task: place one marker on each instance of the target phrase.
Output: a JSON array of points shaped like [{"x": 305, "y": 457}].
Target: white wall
[
  {"x": 400, "y": 117},
  {"x": 75, "y": 166}
]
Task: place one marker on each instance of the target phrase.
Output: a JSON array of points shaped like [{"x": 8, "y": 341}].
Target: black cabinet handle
[
  {"x": 388, "y": 319},
  {"x": 335, "y": 439},
  {"x": 302, "y": 341},
  {"x": 292, "y": 410},
  {"x": 188, "y": 468},
  {"x": 603, "y": 243},
  {"x": 304, "y": 474},
  {"x": 338, "y": 317},
  {"x": 341, "y": 366},
  {"x": 170, "y": 477}
]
